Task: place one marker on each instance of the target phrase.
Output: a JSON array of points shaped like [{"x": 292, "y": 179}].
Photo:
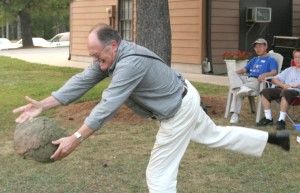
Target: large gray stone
[{"x": 33, "y": 139}]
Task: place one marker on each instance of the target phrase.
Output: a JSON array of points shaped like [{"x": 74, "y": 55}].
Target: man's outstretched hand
[{"x": 29, "y": 111}]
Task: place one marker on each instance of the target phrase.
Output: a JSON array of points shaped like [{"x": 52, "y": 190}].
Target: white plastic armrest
[{"x": 262, "y": 84}]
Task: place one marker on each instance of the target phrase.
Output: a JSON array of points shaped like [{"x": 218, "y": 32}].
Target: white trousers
[
  {"x": 236, "y": 81},
  {"x": 192, "y": 123}
]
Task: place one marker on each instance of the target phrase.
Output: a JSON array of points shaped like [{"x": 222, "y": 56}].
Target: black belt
[
  {"x": 185, "y": 90},
  {"x": 252, "y": 76}
]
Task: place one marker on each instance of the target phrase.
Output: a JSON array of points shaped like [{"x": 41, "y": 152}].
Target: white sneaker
[
  {"x": 234, "y": 118},
  {"x": 244, "y": 91}
]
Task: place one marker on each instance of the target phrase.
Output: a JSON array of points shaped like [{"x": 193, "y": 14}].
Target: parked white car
[
  {"x": 6, "y": 44},
  {"x": 37, "y": 41},
  {"x": 61, "y": 39}
]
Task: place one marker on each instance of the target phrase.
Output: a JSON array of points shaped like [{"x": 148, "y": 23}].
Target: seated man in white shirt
[
  {"x": 258, "y": 68},
  {"x": 288, "y": 87}
]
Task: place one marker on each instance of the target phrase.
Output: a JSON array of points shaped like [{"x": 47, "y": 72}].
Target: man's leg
[
  {"x": 267, "y": 95},
  {"x": 235, "y": 80},
  {"x": 238, "y": 139},
  {"x": 236, "y": 107},
  {"x": 286, "y": 97},
  {"x": 237, "y": 104},
  {"x": 280, "y": 125},
  {"x": 191, "y": 122},
  {"x": 171, "y": 142},
  {"x": 252, "y": 83},
  {"x": 265, "y": 103},
  {"x": 267, "y": 120},
  {"x": 283, "y": 104}
]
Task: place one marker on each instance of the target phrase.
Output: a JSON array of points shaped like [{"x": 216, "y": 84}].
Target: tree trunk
[
  {"x": 25, "y": 28},
  {"x": 7, "y": 30},
  {"x": 18, "y": 28},
  {"x": 153, "y": 29}
]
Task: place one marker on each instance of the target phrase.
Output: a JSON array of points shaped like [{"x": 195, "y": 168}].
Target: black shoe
[
  {"x": 264, "y": 122},
  {"x": 283, "y": 140},
  {"x": 280, "y": 125}
]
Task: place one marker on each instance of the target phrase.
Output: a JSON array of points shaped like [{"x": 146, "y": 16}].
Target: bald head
[
  {"x": 103, "y": 43},
  {"x": 105, "y": 33}
]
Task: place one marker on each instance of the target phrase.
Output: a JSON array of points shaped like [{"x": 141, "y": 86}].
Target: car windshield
[
  {"x": 56, "y": 39},
  {"x": 61, "y": 37}
]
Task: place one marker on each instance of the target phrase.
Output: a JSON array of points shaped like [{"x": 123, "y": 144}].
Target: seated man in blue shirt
[
  {"x": 288, "y": 87},
  {"x": 258, "y": 68}
]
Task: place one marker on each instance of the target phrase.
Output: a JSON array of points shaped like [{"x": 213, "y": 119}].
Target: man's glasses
[{"x": 97, "y": 55}]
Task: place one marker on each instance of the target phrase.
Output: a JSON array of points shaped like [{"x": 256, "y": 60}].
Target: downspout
[
  {"x": 70, "y": 29},
  {"x": 208, "y": 33}
]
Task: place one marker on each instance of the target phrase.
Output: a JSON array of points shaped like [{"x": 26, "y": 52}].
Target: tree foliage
[
  {"x": 27, "y": 9},
  {"x": 153, "y": 28}
]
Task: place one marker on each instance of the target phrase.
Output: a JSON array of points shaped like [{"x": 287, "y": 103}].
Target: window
[{"x": 125, "y": 19}]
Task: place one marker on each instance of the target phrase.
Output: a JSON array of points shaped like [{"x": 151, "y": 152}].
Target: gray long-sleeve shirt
[{"x": 145, "y": 84}]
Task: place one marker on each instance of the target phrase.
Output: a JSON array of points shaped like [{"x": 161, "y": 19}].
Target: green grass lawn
[{"x": 115, "y": 158}]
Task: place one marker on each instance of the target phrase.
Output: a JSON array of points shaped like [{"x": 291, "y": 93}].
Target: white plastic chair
[{"x": 251, "y": 97}]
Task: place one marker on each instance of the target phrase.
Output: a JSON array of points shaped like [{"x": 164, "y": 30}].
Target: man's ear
[{"x": 114, "y": 45}]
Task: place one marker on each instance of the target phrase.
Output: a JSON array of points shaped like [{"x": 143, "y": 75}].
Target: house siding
[
  {"x": 83, "y": 15},
  {"x": 296, "y": 18},
  {"x": 186, "y": 26},
  {"x": 225, "y": 16}
]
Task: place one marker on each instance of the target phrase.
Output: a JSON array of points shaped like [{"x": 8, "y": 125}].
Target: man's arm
[
  {"x": 263, "y": 76},
  {"x": 284, "y": 86},
  {"x": 279, "y": 83},
  {"x": 79, "y": 84},
  {"x": 273, "y": 67},
  {"x": 241, "y": 71},
  {"x": 295, "y": 85}
]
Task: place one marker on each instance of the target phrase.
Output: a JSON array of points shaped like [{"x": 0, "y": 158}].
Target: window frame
[{"x": 125, "y": 20}]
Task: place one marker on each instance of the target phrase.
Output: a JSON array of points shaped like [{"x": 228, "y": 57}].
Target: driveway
[{"x": 51, "y": 56}]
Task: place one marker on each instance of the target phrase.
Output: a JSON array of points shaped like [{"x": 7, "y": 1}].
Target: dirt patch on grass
[
  {"x": 215, "y": 105},
  {"x": 73, "y": 115},
  {"x": 76, "y": 113}
]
